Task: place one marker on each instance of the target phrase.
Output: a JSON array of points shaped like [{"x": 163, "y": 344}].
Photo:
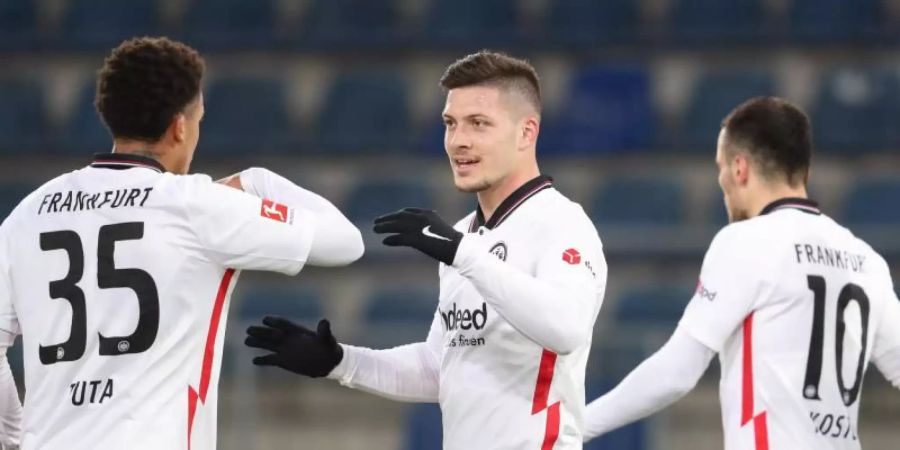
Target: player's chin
[{"x": 469, "y": 184}]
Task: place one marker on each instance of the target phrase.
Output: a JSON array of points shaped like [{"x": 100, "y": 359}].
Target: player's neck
[
  {"x": 129, "y": 147},
  {"x": 491, "y": 198},
  {"x": 773, "y": 193}
]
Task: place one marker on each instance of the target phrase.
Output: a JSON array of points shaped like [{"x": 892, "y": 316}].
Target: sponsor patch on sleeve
[{"x": 273, "y": 210}]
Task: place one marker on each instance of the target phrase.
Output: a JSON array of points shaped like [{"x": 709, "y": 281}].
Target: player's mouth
[{"x": 465, "y": 164}]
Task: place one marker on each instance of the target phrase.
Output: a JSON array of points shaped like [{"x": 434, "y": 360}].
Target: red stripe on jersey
[
  {"x": 747, "y": 403},
  {"x": 545, "y": 376},
  {"x": 761, "y": 431},
  {"x": 551, "y": 432},
  {"x": 208, "y": 352}
]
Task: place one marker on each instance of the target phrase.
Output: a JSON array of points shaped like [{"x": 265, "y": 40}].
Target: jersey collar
[
  {"x": 803, "y": 204},
  {"x": 510, "y": 204},
  {"x": 121, "y": 161}
]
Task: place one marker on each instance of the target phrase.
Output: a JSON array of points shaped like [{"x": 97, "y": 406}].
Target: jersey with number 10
[
  {"x": 118, "y": 277},
  {"x": 797, "y": 307}
]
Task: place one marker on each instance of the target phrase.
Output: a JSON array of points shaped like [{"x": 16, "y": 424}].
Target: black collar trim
[
  {"x": 121, "y": 161},
  {"x": 511, "y": 203},
  {"x": 803, "y": 204}
]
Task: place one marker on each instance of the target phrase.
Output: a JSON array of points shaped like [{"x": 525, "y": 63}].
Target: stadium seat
[
  {"x": 23, "y": 119},
  {"x": 653, "y": 306},
  {"x": 856, "y": 110},
  {"x": 293, "y": 300},
  {"x": 351, "y": 22},
  {"x": 246, "y": 115},
  {"x": 715, "y": 21},
  {"x": 873, "y": 202},
  {"x": 841, "y": 21},
  {"x": 231, "y": 24},
  {"x": 627, "y": 202},
  {"x": 714, "y": 95},
  {"x": 588, "y": 22},
  {"x": 84, "y": 132},
  {"x": 605, "y": 110},
  {"x": 372, "y": 198},
  {"x": 424, "y": 430},
  {"x": 472, "y": 22},
  {"x": 366, "y": 112},
  {"x": 18, "y": 25},
  {"x": 103, "y": 24},
  {"x": 11, "y": 194},
  {"x": 398, "y": 315}
]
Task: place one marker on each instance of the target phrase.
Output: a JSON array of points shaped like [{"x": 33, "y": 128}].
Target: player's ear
[
  {"x": 529, "y": 130},
  {"x": 740, "y": 168},
  {"x": 179, "y": 127}
]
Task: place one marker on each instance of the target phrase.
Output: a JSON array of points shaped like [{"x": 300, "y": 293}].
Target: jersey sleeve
[
  {"x": 8, "y": 319},
  {"x": 887, "y": 334},
  {"x": 731, "y": 279},
  {"x": 238, "y": 230}
]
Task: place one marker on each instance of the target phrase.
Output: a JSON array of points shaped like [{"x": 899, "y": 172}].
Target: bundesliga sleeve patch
[
  {"x": 571, "y": 256},
  {"x": 274, "y": 211}
]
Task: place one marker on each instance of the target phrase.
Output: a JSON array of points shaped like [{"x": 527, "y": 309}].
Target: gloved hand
[
  {"x": 422, "y": 230},
  {"x": 295, "y": 347}
]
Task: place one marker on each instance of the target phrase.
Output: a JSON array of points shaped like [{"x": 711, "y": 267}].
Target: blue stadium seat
[
  {"x": 351, "y": 22},
  {"x": 604, "y": 110},
  {"x": 398, "y": 315},
  {"x": 18, "y": 25},
  {"x": 715, "y": 21},
  {"x": 714, "y": 96},
  {"x": 246, "y": 115},
  {"x": 231, "y": 24},
  {"x": 589, "y": 22},
  {"x": 84, "y": 132},
  {"x": 653, "y": 306},
  {"x": 23, "y": 119},
  {"x": 856, "y": 110},
  {"x": 11, "y": 194},
  {"x": 424, "y": 430},
  {"x": 293, "y": 300},
  {"x": 837, "y": 20},
  {"x": 103, "y": 24},
  {"x": 372, "y": 198},
  {"x": 639, "y": 201},
  {"x": 473, "y": 22},
  {"x": 366, "y": 112},
  {"x": 873, "y": 202}
]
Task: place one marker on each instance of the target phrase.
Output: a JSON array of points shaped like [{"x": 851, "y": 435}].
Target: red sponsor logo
[
  {"x": 274, "y": 211},
  {"x": 571, "y": 256}
]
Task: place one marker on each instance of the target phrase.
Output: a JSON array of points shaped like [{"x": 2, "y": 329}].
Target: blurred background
[{"x": 341, "y": 96}]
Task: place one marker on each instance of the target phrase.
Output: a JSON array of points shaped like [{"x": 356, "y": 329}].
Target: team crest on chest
[{"x": 499, "y": 250}]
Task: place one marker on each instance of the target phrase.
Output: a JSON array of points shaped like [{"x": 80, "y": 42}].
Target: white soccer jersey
[
  {"x": 118, "y": 276},
  {"x": 499, "y": 389},
  {"x": 796, "y": 306}
]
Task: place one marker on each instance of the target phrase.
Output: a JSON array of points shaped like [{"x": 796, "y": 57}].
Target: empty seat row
[{"x": 237, "y": 24}]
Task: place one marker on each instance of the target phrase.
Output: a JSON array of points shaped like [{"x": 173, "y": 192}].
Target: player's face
[
  {"x": 480, "y": 137},
  {"x": 728, "y": 182},
  {"x": 193, "y": 114}
]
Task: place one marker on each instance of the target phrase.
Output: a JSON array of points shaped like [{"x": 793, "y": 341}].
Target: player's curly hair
[
  {"x": 144, "y": 83},
  {"x": 493, "y": 68}
]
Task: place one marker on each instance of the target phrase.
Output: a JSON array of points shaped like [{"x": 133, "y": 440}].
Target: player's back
[
  {"x": 792, "y": 375},
  {"x": 120, "y": 283}
]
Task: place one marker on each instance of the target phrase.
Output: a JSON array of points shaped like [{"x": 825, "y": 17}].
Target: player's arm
[
  {"x": 10, "y": 405},
  {"x": 555, "y": 307},
  {"x": 886, "y": 346},
  {"x": 236, "y": 229},
  {"x": 643, "y": 392},
  {"x": 338, "y": 241},
  {"x": 406, "y": 373}
]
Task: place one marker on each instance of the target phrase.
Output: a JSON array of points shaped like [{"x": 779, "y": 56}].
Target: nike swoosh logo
[{"x": 427, "y": 232}]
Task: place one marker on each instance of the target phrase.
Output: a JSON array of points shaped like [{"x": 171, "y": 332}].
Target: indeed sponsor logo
[{"x": 465, "y": 319}]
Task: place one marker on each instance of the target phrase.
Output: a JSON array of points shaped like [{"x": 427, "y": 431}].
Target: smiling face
[{"x": 489, "y": 136}]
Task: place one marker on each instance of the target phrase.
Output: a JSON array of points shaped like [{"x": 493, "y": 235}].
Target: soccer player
[
  {"x": 119, "y": 274},
  {"x": 521, "y": 282},
  {"x": 793, "y": 303}
]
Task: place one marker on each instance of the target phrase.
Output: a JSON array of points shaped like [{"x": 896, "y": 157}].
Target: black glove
[
  {"x": 422, "y": 230},
  {"x": 296, "y": 348}
]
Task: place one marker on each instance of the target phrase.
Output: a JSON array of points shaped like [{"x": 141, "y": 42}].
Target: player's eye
[
  {"x": 448, "y": 123},
  {"x": 478, "y": 123}
]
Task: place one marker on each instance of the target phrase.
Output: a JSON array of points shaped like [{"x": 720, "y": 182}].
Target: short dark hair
[
  {"x": 494, "y": 68},
  {"x": 776, "y": 134},
  {"x": 144, "y": 83}
]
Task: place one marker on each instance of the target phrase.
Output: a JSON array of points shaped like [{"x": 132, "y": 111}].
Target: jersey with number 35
[
  {"x": 118, "y": 276},
  {"x": 797, "y": 307}
]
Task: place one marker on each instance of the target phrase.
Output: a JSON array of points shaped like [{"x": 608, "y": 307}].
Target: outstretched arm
[
  {"x": 10, "y": 406},
  {"x": 643, "y": 392}
]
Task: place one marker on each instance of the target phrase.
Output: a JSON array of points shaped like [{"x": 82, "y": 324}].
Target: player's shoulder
[
  {"x": 464, "y": 223},
  {"x": 555, "y": 211},
  {"x": 746, "y": 237},
  {"x": 33, "y": 198}
]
